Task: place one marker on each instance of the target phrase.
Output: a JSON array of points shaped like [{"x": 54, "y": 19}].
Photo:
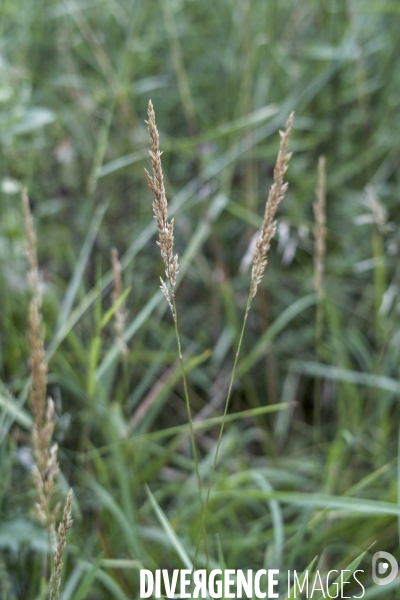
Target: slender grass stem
[
  {"x": 190, "y": 419},
  {"x": 221, "y": 431},
  {"x": 317, "y": 382},
  {"x": 267, "y": 231}
]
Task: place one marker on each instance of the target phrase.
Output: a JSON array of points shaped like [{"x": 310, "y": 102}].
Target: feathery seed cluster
[
  {"x": 65, "y": 525},
  {"x": 45, "y": 453},
  {"x": 160, "y": 207},
  {"x": 275, "y": 197}
]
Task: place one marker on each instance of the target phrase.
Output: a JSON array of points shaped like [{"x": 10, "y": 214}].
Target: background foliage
[{"x": 223, "y": 76}]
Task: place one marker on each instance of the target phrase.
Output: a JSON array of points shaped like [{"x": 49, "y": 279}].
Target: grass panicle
[
  {"x": 160, "y": 206},
  {"x": 31, "y": 248},
  {"x": 46, "y": 468},
  {"x": 275, "y": 197},
  {"x": 63, "y": 528}
]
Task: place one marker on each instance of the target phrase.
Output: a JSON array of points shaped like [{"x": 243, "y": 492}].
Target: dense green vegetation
[{"x": 223, "y": 76}]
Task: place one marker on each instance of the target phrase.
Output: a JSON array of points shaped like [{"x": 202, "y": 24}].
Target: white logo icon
[{"x": 383, "y": 567}]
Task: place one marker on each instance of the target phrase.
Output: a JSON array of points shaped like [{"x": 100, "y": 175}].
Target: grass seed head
[
  {"x": 65, "y": 525},
  {"x": 31, "y": 250},
  {"x": 160, "y": 209},
  {"x": 45, "y": 453},
  {"x": 275, "y": 197}
]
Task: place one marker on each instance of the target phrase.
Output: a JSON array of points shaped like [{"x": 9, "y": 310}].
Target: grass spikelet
[
  {"x": 160, "y": 206},
  {"x": 45, "y": 453},
  {"x": 275, "y": 197},
  {"x": 63, "y": 528},
  {"x": 46, "y": 465},
  {"x": 319, "y": 229},
  {"x": 31, "y": 252},
  {"x": 120, "y": 313},
  {"x": 37, "y": 394}
]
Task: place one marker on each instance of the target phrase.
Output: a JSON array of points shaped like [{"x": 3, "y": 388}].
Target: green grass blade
[
  {"x": 353, "y": 505},
  {"x": 346, "y": 375},
  {"x": 170, "y": 533},
  {"x": 81, "y": 265}
]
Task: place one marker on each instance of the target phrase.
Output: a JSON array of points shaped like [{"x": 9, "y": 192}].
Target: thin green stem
[
  {"x": 228, "y": 397},
  {"x": 317, "y": 383},
  {"x": 189, "y": 413}
]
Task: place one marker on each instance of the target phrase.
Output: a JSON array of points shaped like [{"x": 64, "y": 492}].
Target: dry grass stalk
[
  {"x": 45, "y": 453},
  {"x": 120, "y": 313},
  {"x": 160, "y": 206},
  {"x": 63, "y": 528},
  {"x": 275, "y": 197},
  {"x": 31, "y": 253},
  {"x": 320, "y": 229}
]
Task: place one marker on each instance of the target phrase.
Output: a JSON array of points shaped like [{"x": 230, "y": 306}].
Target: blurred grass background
[{"x": 223, "y": 76}]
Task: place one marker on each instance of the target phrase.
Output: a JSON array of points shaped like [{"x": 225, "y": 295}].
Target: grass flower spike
[
  {"x": 63, "y": 528},
  {"x": 160, "y": 205},
  {"x": 275, "y": 197},
  {"x": 45, "y": 453}
]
